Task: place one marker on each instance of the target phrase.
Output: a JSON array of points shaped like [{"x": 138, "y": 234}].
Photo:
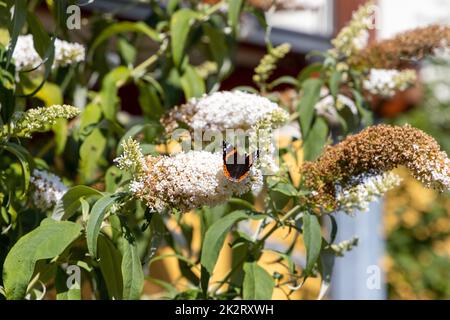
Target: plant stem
[
  {"x": 260, "y": 242},
  {"x": 288, "y": 214},
  {"x": 258, "y": 229},
  {"x": 150, "y": 60}
]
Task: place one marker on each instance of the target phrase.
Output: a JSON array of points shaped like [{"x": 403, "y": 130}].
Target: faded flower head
[
  {"x": 385, "y": 82},
  {"x": 355, "y": 36},
  {"x": 187, "y": 181},
  {"x": 26, "y": 57},
  {"x": 40, "y": 119},
  {"x": 226, "y": 110},
  {"x": 404, "y": 49},
  {"x": 47, "y": 190},
  {"x": 372, "y": 152}
]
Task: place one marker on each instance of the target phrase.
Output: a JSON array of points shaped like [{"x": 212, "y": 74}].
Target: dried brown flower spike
[
  {"x": 404, "y": 49},
  {"x": 372, "y": 152}
]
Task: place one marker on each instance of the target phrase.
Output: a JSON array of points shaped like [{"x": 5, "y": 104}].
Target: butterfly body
[{"x": 236, "y": 167}]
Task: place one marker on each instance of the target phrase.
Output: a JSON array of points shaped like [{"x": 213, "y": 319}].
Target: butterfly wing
[{"x": 236, "y": 167}]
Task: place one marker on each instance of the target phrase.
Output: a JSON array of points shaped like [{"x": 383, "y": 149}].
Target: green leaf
[
  {"x": 47, "y": 57},
  {"x": 19, "y": 18},
  {"x": 220, "y": 51},
  {"x": 113, "y": 177},
  {"x": 127, "y": 51},
  {"x": 316, "y": 140},
  {"x": 326, "y": 268},
  {"x": 7, "y": 99},
  {"x": 204, "y": 281},
  {"x": 215, "y": 236},
  {"x": 170, "y": 288},
  {"x": 366, "y": 114},
  {"x": 91, "y": 152},
  {"x": 180, "y": 25},
  {"x": 234, "y": 11},
  {"x": 95, "y": 220},
  {"x": 312, "y": 238},
  {"x": 286, "y": 189},
  {"x": 149, "y": 101},
  {"x": 24, "y": 159},
  {"x": 334, "y": 228},
  {"x": 60, "y": 14},
  {"x": 61, "y": 134},
  {"x": 335, "y": 82},
  {"x": 192, "y": 84},
  {"x": 258, "y": 284},
  {"x": 47, "y": 241},
  {"x": 132, "y": 274},
  {"x": 110, "y": 261},
  {"x": 90, "y": 117},
  {"x": 122, "y": 27},
  {"x": 308, "y": 71},
  {"x": 108, "y": 95},
  {"x": 41, "y": 39},
  {"x": 148, "y": 130},
  {"x": 284, "y": 80},
  {"x": 311, "y": 94},
  {"x": 70, "y": 201}
]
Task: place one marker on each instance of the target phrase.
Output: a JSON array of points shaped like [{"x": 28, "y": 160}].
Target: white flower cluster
[
  {"x": 233, "y": 110},
  {"x": 344, "y": 246},
  {"x": 68, "y": 53},
  {"x": 364, "y": 190},
  {"x": 48, "y": 189},
  {"x": 437, "y": 169},
  {"x": 384, "y": 82},
  {"x": 434, "y": 74},
  {"x": 187, "y": 181},
  {"x": 355, "y": 36},
  {"x": 328, "y": 107},
  {"x": 26, "y": 57}
]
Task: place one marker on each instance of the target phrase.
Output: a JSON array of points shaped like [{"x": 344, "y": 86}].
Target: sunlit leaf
[
  {"x": 132, "y": 274},
  {"x": 192, "y": 84},
  {"x": 312, "y": 238},
  {"x": 316, "y": 140},
  {"x": 122, "y": 27},
  {"x": 110, "y": 261},
  {"x": 47, "y": 241},
  {"x": 91, "y": 151},
  {"x": 215, "y": 236},
  {"x": 258, "y": 284},
  {"x": 96, "y": 216},
  {"x": 311, "y": 94},
  {"x": 70, "y": 202},
  {"x": 180, "y": 25}
]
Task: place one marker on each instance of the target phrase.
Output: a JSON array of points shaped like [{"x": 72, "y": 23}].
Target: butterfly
[{"x": 236, "y": 167}]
